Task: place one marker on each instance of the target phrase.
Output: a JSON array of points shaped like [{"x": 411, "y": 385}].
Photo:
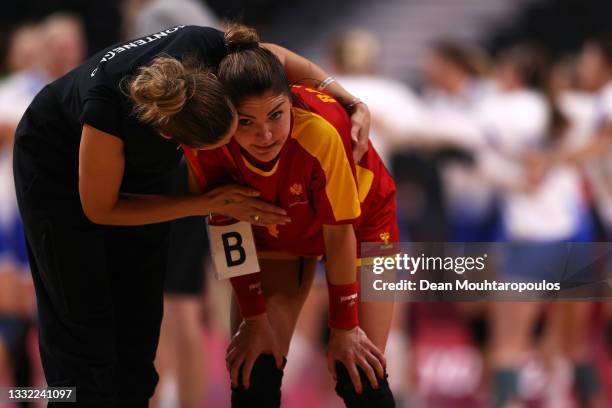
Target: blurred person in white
[
  {"x": 456, "y": 84},
  {"x": 521, "y": 117},
  {"x": 27, "y": 76},
  {"x": 593, "y": 154},
  {"x": 570, "y": 323},
  {"x": 355, "y": 56},
  {"x": 595, "y": 73},
  {"x": 181, "y": 357},
  {"x": 517, "y": 118}
]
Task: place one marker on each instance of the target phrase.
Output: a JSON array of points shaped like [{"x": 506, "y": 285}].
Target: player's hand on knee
[
  {"x": 242, "y": 204},
  {"x": 354, "y": 349},
  {"x": 254, "y": 337}
]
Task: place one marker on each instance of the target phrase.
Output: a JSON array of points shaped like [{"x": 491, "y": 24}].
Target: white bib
[{"x": 233, "y": 249}]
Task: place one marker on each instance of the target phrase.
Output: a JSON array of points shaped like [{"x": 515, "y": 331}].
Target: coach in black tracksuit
[{"x": 91, "y": 174}]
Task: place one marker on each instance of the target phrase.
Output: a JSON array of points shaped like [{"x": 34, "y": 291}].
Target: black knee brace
[
  {"x": 370, "y": 398},
  {"x": 265, "y": 388}
]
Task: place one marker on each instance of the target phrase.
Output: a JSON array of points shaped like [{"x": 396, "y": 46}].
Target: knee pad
[
  {"x": 265, "y": 388},
  {"x": 379, "y": 398},
  {"x": 506, "y": 386},
  {"x": 586, "y": 381}
]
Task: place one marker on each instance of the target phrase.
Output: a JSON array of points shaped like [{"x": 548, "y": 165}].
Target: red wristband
[
  {"x": 249, "y": 294},
  {"x": 343, "y": 306}
]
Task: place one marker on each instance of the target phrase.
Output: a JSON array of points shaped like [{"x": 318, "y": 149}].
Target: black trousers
[{"x": 99, "y": 294}]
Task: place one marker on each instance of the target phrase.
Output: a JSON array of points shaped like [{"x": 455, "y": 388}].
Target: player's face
[{"x": 264, "y": 123}]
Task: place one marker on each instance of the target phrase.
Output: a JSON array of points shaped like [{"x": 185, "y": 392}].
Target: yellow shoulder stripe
[
  {"x": 365, "y": 177},
  {"x": 321, "y": 140}
]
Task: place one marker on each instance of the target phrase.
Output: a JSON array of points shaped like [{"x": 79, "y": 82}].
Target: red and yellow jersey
[{"x": 313, "y": 179}]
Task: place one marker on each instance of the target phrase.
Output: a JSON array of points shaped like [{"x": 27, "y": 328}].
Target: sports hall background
[{"x": 439, "y": 351}]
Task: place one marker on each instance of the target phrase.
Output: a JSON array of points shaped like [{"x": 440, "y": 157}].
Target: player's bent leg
[
  {"x": 375, "y": 319},
  {"x": 381, "y": 397},
  {"x": 285, "y": 284},
  {"x": 265, "y": 387}
]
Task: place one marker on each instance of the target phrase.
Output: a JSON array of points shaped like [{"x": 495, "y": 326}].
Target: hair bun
[
  {"x": 240, "y": 47},
  {"x": 160, "y": 90},
  {"x": 239, "y": 38}
]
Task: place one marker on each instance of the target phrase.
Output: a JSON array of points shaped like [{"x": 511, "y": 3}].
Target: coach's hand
[
  {"x": 353, "y": 348},
  {"x": 360, "y": 131},
  {"x": 242, "y": 204},
  {"x": 253, "y": 338}
]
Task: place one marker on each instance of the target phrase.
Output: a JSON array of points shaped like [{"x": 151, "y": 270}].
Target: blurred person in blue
[
  {"x": 569, "y": 324},
  {"x": 595, "y": 73},
  {"x": 519, "y": 116},
  {"x": 456, "y": 84},
  {"x": 524, "y": 115},
  {"x": 593, "y": 107},
  {"x": 17, "y": 303}
]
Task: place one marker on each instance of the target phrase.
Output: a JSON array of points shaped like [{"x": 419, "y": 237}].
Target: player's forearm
[
  {"x": 341, "y": 276},
  {"x": 340, "y": 244}
]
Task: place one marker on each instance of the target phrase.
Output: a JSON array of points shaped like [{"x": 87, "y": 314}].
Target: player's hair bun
[
  {"x": 161, "y": 89},
  {"x": 239, "y": 37}
]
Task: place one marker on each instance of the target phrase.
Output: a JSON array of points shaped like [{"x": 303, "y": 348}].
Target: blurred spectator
[
  {"x": 524, "y": 116},
  {"x": 595, "y": 73},
  {"x": 16, "y": 292},
  {"x": 63, "y": 44},
  {"x": 37, "y": 54},
  {"x": 455, "y": 86},
  {"x": 394, "y": 107},
  {"x": 25, "y": 46},
  {"x": 142, "y": 17}
]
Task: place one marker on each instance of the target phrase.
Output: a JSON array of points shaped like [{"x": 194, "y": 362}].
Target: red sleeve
[{"x": 209, "y": 167}]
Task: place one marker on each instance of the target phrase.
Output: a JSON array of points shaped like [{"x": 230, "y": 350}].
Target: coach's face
[{"x": 264, "y": 123}]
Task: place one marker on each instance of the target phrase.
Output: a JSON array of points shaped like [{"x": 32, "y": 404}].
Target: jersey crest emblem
[
  {"x": 297, "y": 191},
  {"x": 385, "y": 236}
]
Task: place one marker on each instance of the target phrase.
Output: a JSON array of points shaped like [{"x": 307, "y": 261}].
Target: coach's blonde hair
[{"x": 183, "y": 100}]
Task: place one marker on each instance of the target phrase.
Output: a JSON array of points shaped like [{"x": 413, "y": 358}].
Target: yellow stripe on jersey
[
  {"x": 321, "y": 140},
  {"x": 259, "y": 171},
  {"x": 365, "y": 177}
]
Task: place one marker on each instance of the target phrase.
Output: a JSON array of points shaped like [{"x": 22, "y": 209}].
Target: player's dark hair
[
  {"x": 534, "y": 69},
  {"x": 183, "y": 100},
  {"x": 248, "y": 69}
]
